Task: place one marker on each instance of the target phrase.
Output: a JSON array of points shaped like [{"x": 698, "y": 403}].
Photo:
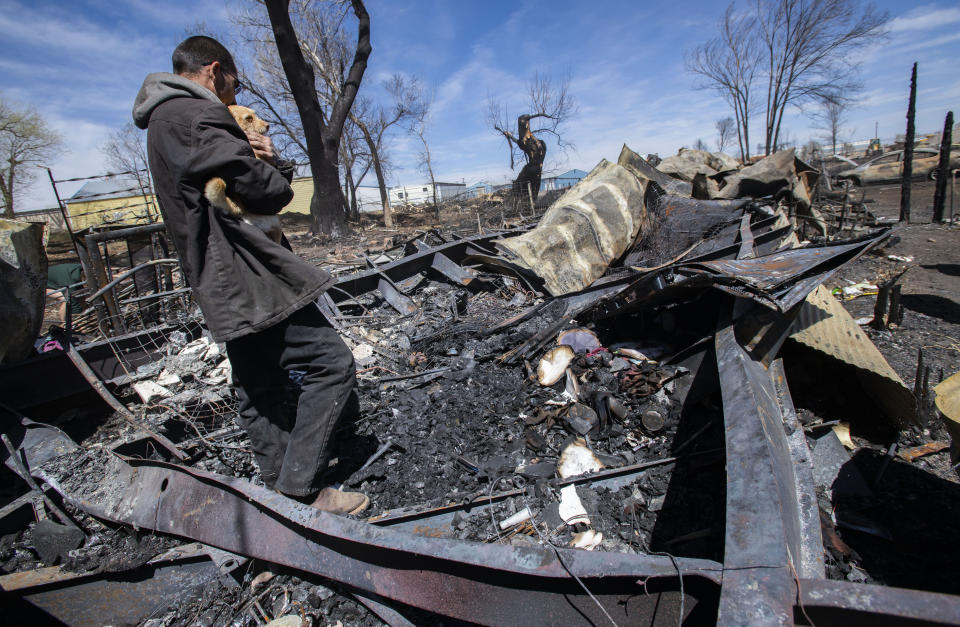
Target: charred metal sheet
[
  {"x": 826, "y": 327},
  {"x": 784, "y": 279},
  {"x": 639, "y": 167},
  {"x": 488, "y": 584},
  {"x": 767, "y": 524},
  {"x": 112, "y": 598},
  {"x": 362, "y": 282}
]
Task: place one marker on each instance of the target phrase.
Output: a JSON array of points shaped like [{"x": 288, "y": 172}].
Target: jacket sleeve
[{"x": 220, "y": 148}]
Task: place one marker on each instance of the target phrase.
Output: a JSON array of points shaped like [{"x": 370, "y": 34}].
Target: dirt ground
[{"x": 931, "y": 285}]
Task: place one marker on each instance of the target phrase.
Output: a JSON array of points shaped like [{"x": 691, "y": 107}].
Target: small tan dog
[{"x": 215, "y": 190}]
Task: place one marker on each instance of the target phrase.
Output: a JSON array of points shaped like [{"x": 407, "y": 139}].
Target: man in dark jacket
[{"x": 256, "y": 295}]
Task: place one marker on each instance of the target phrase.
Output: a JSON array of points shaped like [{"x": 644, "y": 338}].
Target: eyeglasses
[{"x": 237, "y": 85}]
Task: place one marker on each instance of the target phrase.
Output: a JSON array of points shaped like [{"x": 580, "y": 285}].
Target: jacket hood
[{"x": 159, "y": 87}]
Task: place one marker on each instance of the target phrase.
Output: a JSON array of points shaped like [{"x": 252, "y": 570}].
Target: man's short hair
[{"x": 195, "y": 52}]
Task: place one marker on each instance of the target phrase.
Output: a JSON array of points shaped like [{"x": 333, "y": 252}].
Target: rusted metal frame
[
  {"x": 826, "y": 602},
  {"x": 117, "y": 279},
  {"x": 99, "y": 277},
  {"x": 98, "y": 271},
  {"x": 767, "y": 526},
  {"x": 61, "y": 205},
  {"x": 158, "y": 295},
  {"x": 360, "y": 283},
  {"x": 118, "y": 234},
  {"x": 487, "y": 584}
]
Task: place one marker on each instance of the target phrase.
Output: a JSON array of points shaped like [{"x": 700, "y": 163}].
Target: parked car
[{"x": 888, "y": 167}]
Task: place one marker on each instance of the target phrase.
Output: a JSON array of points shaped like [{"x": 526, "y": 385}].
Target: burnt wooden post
[
  {"x": 908, "y": 150},
  {"x": 879, "y": 321},
  {"x": 896, "y": 307},
  {"x": 943, "y": 169}
]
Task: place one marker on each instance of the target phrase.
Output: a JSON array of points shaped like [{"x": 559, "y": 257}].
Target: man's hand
[{"x": 262, "y": 146}]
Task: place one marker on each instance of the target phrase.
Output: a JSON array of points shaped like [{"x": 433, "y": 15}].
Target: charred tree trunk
[
  {"x": 907, "y": 176},
  {"x": 327, "y": 207},
  {"x": 536, "y": 151},
  {"x": 943, "y": 169}
]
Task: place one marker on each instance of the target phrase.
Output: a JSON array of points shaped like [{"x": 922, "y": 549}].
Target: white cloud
[{"x": 925, "y": 18}]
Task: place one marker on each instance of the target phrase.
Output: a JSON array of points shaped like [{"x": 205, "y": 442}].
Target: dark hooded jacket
[{"x": 242, "y": 280}]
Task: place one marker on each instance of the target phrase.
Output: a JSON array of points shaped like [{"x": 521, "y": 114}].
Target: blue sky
[{"x": 80, "y": 63}]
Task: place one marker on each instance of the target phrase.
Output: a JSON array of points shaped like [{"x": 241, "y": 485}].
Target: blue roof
[
  {"x": 102, "y": 189},
  {"x": 572, "y": 174}
]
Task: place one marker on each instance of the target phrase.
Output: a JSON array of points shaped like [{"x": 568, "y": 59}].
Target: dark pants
[{"x": 292, "y": 459}]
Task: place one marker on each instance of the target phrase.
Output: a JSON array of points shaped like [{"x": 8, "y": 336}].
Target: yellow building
[
  {"x": 113, "y": 201},
  {"x": 119, "y": 202}
]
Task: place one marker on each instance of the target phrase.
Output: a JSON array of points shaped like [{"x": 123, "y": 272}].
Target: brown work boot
[{"x": 339, "y": 502}]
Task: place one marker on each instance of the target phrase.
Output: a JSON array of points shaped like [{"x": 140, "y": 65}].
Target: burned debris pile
[{"x": 547, "y": 416}]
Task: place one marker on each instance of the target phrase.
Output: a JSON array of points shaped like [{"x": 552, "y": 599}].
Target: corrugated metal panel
[{"x": 824, "y": 325}]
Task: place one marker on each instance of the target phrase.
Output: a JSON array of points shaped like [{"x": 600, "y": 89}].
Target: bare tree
[
  {"x": 26, "y": 141},
  {"x": 807, "y": 46},
  {"x": 726, "y": 128},
  {"x": 701, "y": 145},
  {"x": 321, "y": 131},
  {"x": 729, "y": 64},
  {"x": 326, "y": 46},
  {"x": 831, "y": 117},
  {"x": 355, "y": 163},
  {"x": 407, "y": 103},
  {"x": 425, "y": 161},
  {"x": 550, "y": 106},
  {"x": 126, "y": 151}
]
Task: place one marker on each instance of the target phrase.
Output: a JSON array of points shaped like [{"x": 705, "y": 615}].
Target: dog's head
[{"x": 248, "y": 121}]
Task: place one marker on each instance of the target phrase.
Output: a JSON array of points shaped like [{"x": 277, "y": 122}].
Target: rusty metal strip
[
  {"x": 837, "y": 602},
  {"x": 765, "y": 526},
  {"x": 488, "y": 584},
  {"x": 746, "y": 238}
]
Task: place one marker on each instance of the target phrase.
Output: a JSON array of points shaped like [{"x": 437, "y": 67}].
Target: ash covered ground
[{"x": 483, "y": 439}]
